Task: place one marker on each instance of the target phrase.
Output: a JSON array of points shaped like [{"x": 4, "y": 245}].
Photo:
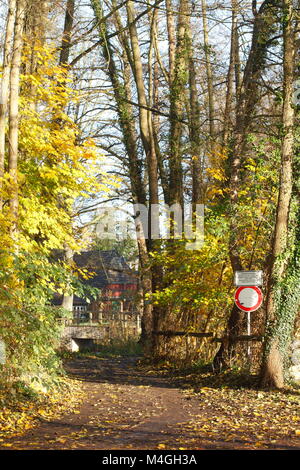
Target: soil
[{"x": 127, "y": 407}]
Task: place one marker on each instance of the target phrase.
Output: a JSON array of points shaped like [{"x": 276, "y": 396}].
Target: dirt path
[{"x": 125, "y": 407}]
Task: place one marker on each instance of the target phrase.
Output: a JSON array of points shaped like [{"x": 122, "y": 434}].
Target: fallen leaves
[
  {"x": 128, "y": 405},
  {"x": 20, "y": 414},
  {"x": 243, "y": 417},
  {"x": 161, "y": 446}
]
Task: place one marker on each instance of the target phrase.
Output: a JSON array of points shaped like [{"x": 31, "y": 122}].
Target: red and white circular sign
[{"x": 248, "y": 298}]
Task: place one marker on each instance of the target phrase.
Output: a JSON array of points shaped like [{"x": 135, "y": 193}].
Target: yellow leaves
[
  {"x": 251, "y": 165},
  {"x": 246, "y": 417},
  {"x": 49, "y": 173},
  {"x": 53, "y": 167},
  {"x": 205, "y": 390},
  {"x": 18, "y": 417},
  {"x": 84, "y": 273},
  {"x": 61, "y": 440},
  {"x": 258, "y": 444},
  {"x": 213, "y": 191},
  {"x": 216, "y": 173}
]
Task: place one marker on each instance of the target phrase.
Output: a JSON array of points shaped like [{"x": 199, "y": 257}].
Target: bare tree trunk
[
  {"x": 229, "y": 118},
  {"x": 124, "y": 109},
  {"x": 209, "y": 75},
  {"x": 171, "y": 38},
  {"x": 68, "y": 297},
  {"x": 177, "y": 104},
  {"x": 122, "y": 91},
  {"x": 273, "y": 367},
  {"x": 236, "y": 48},
  {"x": 156, "y": 122},
  {"x": 7, "y": 53},
  {"x": 149, "y": 144},
  {"x": 66, "y": 39},
  {"x": 198, "y": 190},
  {"x": 145, "y": 118},
  {"x": 14, "y": 114}
]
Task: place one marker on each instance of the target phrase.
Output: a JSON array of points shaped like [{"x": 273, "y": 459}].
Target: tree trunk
[
  {"x": 229, "y": 119},
  {"x": 209, "y": 75},
  {"x": 171, "y": 39},
  {"x": 198, "y": 189},
  {"x": 177, "y": 104},
  {"x": 154, "y": 273},
  {"x": 145, "y": 118},
  {"x": 7, "y": 53},
  {"x": 67, "y": 301},
  {"x": 122, "y": 91},
  {"x": 66, "y": 39},
  {"x": 14, "y": 114},
  {"x": 246, "y": 105},
  {"x": 273, "y": 365},
  {"x": 34, "y": 30}
]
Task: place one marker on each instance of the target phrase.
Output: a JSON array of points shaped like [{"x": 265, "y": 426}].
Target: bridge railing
[{"x": 80, "y": 322}]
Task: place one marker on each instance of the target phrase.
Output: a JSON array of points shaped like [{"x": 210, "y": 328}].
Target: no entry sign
[{"x": 248, "y": 298}]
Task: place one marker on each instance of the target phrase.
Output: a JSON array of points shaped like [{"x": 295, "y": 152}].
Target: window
[{"x": 80, "y": 308}]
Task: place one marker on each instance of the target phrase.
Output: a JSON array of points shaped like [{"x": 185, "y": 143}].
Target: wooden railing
[
  {"x": 182, "y": 333},
  {"x": 170, "y": 333}
]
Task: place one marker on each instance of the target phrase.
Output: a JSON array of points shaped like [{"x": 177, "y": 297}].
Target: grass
[
  {"x": 112, "y": 348},
  {"x": 116, "y": 347}
]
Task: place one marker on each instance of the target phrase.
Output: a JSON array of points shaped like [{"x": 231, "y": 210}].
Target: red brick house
[{"x": 117, "y": 282}]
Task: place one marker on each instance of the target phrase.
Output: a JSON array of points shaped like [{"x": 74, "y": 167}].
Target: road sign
[
  {"x": 248, "y": 298},
  {"x": 248, "y": 278}
]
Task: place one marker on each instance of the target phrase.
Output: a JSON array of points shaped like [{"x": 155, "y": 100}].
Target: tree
[
  {"x": 248, "y": 99},
  {"x": 46, "y": 169},
  {"x": 284, "y": 265},
  {"x": 14, "y": 113},
  {"x": 122, "y": 90},
  {"x": 7, "y": 51}
]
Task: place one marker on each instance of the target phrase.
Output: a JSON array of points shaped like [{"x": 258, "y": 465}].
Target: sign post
[
  {"x": 248, "y": 296},
  {"x": 248, "y": 333}
]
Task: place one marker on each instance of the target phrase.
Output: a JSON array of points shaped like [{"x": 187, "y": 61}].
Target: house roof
[{"x": 105, "y": 268}]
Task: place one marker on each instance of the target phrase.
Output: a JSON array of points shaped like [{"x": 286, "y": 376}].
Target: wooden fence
[{"x": 170, "y": 333}]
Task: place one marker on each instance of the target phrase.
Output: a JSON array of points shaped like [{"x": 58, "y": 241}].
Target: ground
[{"x": 129, "y": 406}]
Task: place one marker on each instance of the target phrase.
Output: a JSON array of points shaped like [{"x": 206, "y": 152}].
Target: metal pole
[{"x": 248, "y": 333}]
